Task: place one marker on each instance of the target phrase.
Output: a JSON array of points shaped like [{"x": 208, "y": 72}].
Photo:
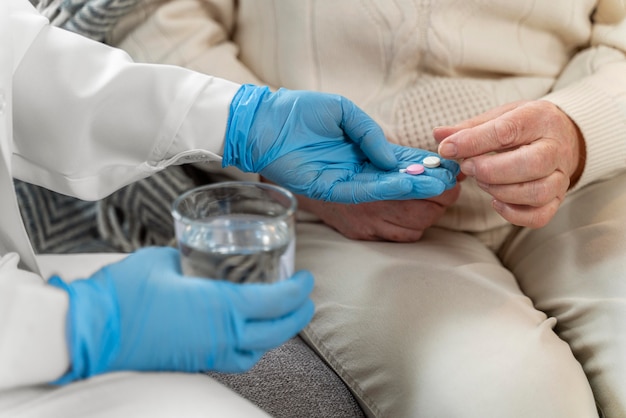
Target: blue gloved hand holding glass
[
  {"x": 143, "y": 314},
  {"x": 324, "y": 147}
]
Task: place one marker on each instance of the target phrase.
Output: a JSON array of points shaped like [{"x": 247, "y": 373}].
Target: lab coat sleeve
[
  {"x": 195, "y": 34},
  {"x": 33, "y": 347},
  {"x": 592, "y": 91},
  {"x": 88, "y": 120}
]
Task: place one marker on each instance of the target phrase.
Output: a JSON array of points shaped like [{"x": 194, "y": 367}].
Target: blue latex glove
[
  {"x": 324, "y": 147},
  {"x": 143, "y": 314}
]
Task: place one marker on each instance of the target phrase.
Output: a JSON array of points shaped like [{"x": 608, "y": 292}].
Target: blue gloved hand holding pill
[{"x": 324, "y": 147}]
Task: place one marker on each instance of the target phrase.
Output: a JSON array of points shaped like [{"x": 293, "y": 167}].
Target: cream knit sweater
[{"x": 413, "y": 65}]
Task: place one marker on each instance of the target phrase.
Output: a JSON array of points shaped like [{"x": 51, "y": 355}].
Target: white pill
[{"x": 431, "y": 162}]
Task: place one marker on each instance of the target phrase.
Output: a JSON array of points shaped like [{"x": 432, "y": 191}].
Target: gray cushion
[{"x": 291, "y": 381}]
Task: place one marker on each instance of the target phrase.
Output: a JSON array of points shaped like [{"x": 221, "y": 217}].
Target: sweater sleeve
[
  {"x": 592, "y": 91},
  {"x": 195, "y": 34}
]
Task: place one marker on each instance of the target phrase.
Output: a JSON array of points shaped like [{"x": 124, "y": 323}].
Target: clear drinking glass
[{"x": 238, "y": 231}]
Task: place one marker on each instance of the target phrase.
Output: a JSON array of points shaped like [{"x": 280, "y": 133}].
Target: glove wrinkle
[{"x": 314, "y": 144}]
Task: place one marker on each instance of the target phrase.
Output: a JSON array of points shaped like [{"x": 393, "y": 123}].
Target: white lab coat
[{"x": 82, "y": 119}]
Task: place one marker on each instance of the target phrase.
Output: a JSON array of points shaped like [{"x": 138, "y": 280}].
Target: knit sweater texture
[{"x": 413, "y": 65}]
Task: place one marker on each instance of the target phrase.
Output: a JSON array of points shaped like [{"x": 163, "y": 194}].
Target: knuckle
[
  {"x": 541, "y": 192},
  {"x": 505, "y": 132},
  {"x": 406, "y": 236},
  {"x": 485, "y": 172},
  {"x": 554, "y": 152},
  {"x": 539, "y": 218},
  {"x": 542, "y": 216},
  {"x": 355, "y": 232},
  {"x": 531, "y": 158},
  {"x": 415, "y": 236}
]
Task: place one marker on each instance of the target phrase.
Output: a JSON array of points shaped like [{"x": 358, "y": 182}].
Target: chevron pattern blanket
[{"x": 91, "y": 18}]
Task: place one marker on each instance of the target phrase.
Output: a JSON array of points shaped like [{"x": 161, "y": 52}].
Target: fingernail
[
  {"x": 468, "y": 168},
  {"x": 497, "y": 205},
  {"x": 447, "y": 149}
]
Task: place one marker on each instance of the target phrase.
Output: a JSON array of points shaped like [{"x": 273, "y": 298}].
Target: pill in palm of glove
[
  {"x": 431, "y": 162},
  {"x": 414, "y": 169}
]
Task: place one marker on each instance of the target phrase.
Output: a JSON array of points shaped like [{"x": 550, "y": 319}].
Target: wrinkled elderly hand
[
  {"x": 525, "y": 154},
  {"x": 392, "y": 220}
]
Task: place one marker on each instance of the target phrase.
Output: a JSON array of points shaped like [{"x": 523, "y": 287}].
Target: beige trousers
[{"x": 446, "y": 328}]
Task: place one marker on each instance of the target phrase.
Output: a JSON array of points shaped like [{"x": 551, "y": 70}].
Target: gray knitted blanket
[
  {"x": 135, "y": 216},
  {"x": 90, "y": 18}
]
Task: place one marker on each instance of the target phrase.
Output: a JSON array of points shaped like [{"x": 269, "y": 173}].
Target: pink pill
[{"x": 415, "y": 169}]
